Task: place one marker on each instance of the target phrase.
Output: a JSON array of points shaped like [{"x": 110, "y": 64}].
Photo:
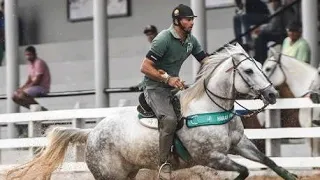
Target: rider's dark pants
[{"x": 159, "y": 100}]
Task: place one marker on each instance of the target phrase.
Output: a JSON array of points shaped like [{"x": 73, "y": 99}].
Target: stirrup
[{"x": 163, "y": 165}]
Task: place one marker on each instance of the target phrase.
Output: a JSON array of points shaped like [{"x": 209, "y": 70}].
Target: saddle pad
[{"x": 149, "y": 122}]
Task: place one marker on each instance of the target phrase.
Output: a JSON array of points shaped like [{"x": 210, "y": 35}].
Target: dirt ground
[
  {"x": 314, "y": 177},
  {"x": 195, "y": 173},
  {"x": 203, "y": 173}
]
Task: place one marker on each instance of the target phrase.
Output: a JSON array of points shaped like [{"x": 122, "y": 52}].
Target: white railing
[{"x": 78, "y": 115}]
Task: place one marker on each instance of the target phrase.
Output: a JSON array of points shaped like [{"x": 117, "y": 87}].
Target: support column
[
  {"x": 199, "y": 30},
  {"x": 11, "y": 56},
  {"x": 100, "y": 36},
  {"x": 310, "y": 30}
]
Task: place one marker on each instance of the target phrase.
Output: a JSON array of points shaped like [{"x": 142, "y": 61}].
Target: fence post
[
  {"x": 77, "y": 152},
  {"x": 34, "y": 128},
  {"x": 273, "y": 120},
  {"x": 315, "y": 147}
]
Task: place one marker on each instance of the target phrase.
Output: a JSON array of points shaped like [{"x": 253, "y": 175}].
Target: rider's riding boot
[
  {"x": 164, "y": 171},
  {"x": 167, "y": 127}
]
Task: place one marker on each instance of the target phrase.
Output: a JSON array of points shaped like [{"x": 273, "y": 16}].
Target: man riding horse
[{"x": 161, "y": 67}]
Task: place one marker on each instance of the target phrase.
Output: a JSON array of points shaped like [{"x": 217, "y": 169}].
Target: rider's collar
[{"x": 176, "y": 35}]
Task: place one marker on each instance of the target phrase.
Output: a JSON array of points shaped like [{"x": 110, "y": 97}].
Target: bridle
[
  {"x": 234, "y": 92},
  {"x": 278, "y": 64}
]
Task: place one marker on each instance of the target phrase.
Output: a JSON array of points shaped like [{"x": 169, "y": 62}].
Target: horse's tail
[{"x": 51, "y": 157}]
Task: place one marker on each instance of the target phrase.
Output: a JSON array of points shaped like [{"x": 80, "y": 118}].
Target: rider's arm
[
  {"x": 27, "y": 83},
  {"x": 198, "y": 52},
  {"x": 148, "y": 68},
  {"x": 158, "y": 48}
]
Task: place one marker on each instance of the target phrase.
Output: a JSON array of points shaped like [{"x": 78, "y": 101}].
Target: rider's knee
[
  {"x": 168, "y": 123},
  {"x": 16, "y": 97}
]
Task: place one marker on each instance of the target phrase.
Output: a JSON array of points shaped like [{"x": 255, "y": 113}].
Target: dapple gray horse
[{"x": 119, "y": 145}]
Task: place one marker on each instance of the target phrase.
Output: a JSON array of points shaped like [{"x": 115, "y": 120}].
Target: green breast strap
[{"x": 206, "y": 119}]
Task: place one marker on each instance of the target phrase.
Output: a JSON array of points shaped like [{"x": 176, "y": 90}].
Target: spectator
[
  {"x": 38, "y": 82},
  {"x": 151, "y": 32},
  {"x": 252, "y": 13},
  {"x": 272, "y": 31},
  {"x": 294, "y": 45}
]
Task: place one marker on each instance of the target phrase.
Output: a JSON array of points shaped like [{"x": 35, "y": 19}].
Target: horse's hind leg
[
  {"x": 220, "y": 161},
  {"x": 247, "y": 149}
]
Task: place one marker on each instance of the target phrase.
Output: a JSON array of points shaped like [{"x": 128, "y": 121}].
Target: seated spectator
[
  {"x": 252, "y": 13},
  {"x": 151, "y": 32},
  {"x": 38, "y": 82},
  {"x": 294, "y": 45},
  {"x": 272, "y": 31}
]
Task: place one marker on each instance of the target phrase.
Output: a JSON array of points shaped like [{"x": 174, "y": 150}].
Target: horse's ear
[
  {"x": 237, "y": 44},
  {"x": 273, "y": 51}
]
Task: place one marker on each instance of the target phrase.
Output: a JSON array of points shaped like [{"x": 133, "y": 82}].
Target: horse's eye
[
  {"x": 268, "y": 69},
  {"x": 249, "y": 71}
]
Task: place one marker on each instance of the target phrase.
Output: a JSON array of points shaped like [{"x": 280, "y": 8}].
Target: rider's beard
[{"x": 187, "y": 31}]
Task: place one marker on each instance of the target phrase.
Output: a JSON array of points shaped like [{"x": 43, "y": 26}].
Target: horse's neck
[
  {"x": 284, "y": 91},
  {"x": 298, "y": 78},
  {"x": 204, "y": 104}
]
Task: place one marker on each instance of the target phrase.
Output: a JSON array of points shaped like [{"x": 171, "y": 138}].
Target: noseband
[{"x": 234, "y": 91}]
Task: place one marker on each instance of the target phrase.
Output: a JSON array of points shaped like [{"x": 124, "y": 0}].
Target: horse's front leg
[
  {"x": 247, "y": 149},
  {"x": 220, "y": 161}
]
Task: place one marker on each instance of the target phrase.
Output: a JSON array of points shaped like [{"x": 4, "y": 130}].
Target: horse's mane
[
  {"x": 301, "y": 63},
  {"x": 196, "y": 90}
]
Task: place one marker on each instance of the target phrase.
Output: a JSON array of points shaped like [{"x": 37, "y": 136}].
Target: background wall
[
  {"x": 46, "y": 20},
  {"x": 68, "y": 47}
]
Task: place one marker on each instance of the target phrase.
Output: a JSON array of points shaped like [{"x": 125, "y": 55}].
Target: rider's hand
[{"x": 176, "y": 82}]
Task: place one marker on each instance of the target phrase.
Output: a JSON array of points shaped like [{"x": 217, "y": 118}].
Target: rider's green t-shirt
[{"x": 173, "y": 53}]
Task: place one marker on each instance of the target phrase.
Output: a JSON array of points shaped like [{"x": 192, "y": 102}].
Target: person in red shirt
[{"x": 38, "y": 82}]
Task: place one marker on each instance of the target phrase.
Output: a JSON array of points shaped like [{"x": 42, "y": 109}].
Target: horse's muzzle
[{"x": 270, "y": 94}]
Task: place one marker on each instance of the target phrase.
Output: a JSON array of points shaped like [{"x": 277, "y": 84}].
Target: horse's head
[
  {"x": 248, "y": 76},
  {"x": 273, "y": 69},
  {"x": 233, "y": 70}
]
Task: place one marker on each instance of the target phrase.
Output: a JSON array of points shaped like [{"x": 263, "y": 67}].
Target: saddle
[
  {"x": 144, "y": 109},
  {"x": 148, "y": 118}
]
